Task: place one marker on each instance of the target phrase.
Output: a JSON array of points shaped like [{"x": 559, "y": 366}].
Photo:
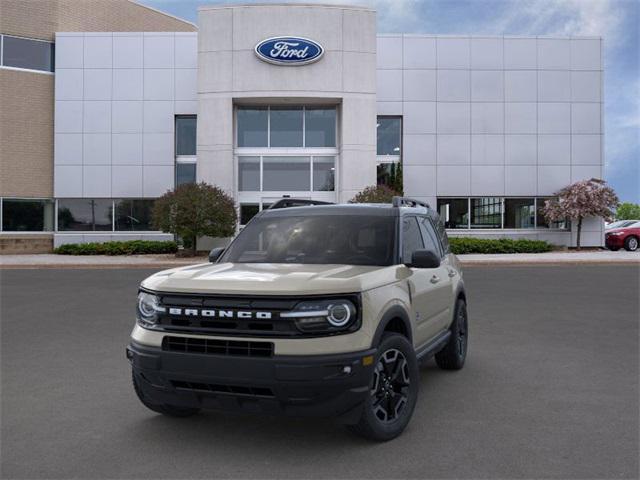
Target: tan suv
[{"x": 321, "y": 310}]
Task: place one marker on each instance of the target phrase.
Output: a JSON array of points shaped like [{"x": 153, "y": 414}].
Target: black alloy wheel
[{"x": 390, "y": 389}]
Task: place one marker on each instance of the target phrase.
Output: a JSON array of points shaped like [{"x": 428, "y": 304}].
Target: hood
[{"x": 272, "y": 278}]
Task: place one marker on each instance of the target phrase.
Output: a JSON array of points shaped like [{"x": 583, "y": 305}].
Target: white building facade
[{"x": 482, "y": 128}]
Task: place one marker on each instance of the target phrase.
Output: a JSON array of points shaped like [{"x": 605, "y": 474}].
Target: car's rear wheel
[
  {"x": 631, "y": 243},
  {"x": 170, "y": 410},
  {"x": 454, "y": 354},
  {"x": 393, "y": 390}
]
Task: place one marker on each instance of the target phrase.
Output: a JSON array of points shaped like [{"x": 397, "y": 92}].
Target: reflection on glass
[
  {"x": 248, "y": 211},
  {"x": 486, "y": 212},
  {"x": 389, "y": 132},
  {"x": 252, "y": 126},
  {"x": 26, "y": 53},
  {"x": 320, "y": 127},
  {"x": 286, "y": 174},
  {"x": 134, "y": 215},
  {"x": 519, "y": 213},
  {"x": 27, "y": 215},
  {"x": 454, "y": 212},
  {"x": 186, "y": 135},
  {"x": 542, "y": 222},
  {"x": 185, "y": 173},
  {"x": 248, "y": 174},
  {"x": 286, "y": 127},
  {"x": 324, "y": 174},
  {"x": 84, "y": 215}
]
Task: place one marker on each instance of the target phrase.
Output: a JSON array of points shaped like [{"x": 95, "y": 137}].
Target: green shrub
[
  {"x": 131, "y": 247},
  {"x": 460, "y": 245}
]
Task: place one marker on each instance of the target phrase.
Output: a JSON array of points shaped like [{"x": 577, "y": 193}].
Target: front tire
[
  {"x": 169, "y": 410},
  {"x": 631, "y": 244},
  {"x": 393, "y": 391},
  {"x": 454, "y": 354}
]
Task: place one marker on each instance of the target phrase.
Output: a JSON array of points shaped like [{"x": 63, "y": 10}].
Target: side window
[
  {"x": 442, "y": 233},
  {"x": 411, "y": 238},
  {"x": 429, "y": 235}
]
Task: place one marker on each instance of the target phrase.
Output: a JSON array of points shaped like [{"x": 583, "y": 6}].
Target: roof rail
[
  {"x": 408, "y": 202},
  {"x": 296, "y": 202}
]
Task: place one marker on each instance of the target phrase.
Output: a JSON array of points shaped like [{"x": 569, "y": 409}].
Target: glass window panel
[
  {"x": 249, "y": 174},
  {"x": 285, "y": 125},
  {"x": 324, "y": 169},
  {"x": 186, "y": 135},
  {"x": 519, "y": 213},
  {"x": 26, "y": 53},
  {"x": 22, "y": 215},
  {"x": 248, "y": 211},
  {"x": 390, "y": 174},
  {"x": 429, "y": 236},
  {"x": 411, "y": 238},
  {"x": 454, "y": 212},
  {"x": 185, "y": 173},
  {"x": 252, "y": 126},
  {"x": 84, "y": 215},
  {"x": 542, "y": 222},
  {"x": 486, "y": 212},
  {"x": 320, "y": 127},
  {"x": 134, "y": 215},
  {"x": 286, "y": 174},
  {"x": 389, "y": 132}
]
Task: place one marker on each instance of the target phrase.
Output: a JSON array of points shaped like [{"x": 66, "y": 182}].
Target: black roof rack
[
  {"x": 296, "y": 202},
  {"x": 408, "y": 202}
]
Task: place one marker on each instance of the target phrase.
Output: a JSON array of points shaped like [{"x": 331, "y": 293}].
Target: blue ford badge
[{"x": 289, "y": 50}]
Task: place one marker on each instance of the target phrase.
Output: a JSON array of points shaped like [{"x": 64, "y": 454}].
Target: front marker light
[{"x": 148, "y": 309}]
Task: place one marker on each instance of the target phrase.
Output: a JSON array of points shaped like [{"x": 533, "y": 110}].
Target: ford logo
[{"x": 289, "y": 51}]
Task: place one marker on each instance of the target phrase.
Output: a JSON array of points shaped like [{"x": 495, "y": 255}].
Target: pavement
[
  {"x": 571, "y": 257},
  {"x": 550, "y": 390}
]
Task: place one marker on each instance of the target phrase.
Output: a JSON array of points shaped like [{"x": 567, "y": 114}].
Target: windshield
[
  {"x": 621, "y": 224},
  {"x": 316, "y": 239}
]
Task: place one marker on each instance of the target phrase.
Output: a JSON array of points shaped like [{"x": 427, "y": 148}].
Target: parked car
[
  {"x": 321, "y": 310},
  {"x": 626, "y": 237},
  {"x": 621, "y": 224}
]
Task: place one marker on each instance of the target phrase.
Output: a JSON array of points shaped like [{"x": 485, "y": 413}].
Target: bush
[
  {"x": 375, "y": 194},
  {"x": 131, "y": 247},
  {"x": 461, "y": 245}
]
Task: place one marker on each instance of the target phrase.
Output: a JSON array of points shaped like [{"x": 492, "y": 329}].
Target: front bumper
[
  {"x": 614, "y": 241},
  {"x": 314, "y": 385}
]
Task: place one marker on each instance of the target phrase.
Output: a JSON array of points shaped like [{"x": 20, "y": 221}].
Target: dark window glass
[
  {"x": 315, "y": 239},
  {"x": 185, "y": 173},
  {"x": 286, "y": 174},
  {"x": 249, "y": 174},
  {"x": 27, "y": 215},
  {"x": 542, "y": 222},
  {"x": 390, "y": 174},
  {"x": 411, "y": 238},
  {"x": 252, "y": 126},
  {"x": 324, "y": 174},
  {"x": 134, "y": 215},
  {"x": 248, "y": 211},
  {"x": 285, "y": 124},
  {"x": 320, "y": 127},
  {"x": 429, "y": 236},
  {"x": 84, "y": 215},
  {"x": 389, "y": 132},
  {"x": 486, "y": 212},
  {"x": 442, "y": 234},
  {"x": 186, "y": 135},
  {"x": 25, "y": 53},
  {"x": 454, "y": 212},
  {"x": 519, "y": 213}
]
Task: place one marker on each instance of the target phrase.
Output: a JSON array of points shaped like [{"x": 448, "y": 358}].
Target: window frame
[
  {"x": 54, "y": 223},
  {"x": 402, "y": 236},
  {"x": 22, "y": 69}
]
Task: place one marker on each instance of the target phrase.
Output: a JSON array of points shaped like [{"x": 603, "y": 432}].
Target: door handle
[
  {"x": 452, "y": 273},
  {"x": 435, "y": 279}
]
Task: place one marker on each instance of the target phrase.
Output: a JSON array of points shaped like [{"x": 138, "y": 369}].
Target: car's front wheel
[
  {"x": 631, "y": 244},
  {"x": 170, "y": 410},
  {"x": 393, "y": 390}
]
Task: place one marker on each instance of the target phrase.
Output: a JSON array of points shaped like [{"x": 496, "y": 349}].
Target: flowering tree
[
  {"x": 194, "y": 210},
  {"x": 586, "y": 198},
  {"x": 375, "y": 194}
]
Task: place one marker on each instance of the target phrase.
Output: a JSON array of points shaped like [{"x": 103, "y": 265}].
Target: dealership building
[{"x": 112, "y": 104}]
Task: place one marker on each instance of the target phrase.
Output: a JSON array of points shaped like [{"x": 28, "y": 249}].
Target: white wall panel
[
  {"x": 389, "y": 85},
  {"x": 520, "y": 149},
  {"x": 586, "y": 150},
  {"x": 487, "y": 180},
  {"x": 585, "y": 86},
  {"x": 128, "y": 84},
  {"x": 585, "y": 118},
  {"x": 520, "y": 118},
  {"x": 454, "y": 117},
  {"x": 487, "y": 53},
  {"x": 389, "y": 52},
  {"x": 419, "y": 85},
  {"x": 126, "y": 181},
  {"x": 554, "y": 86},
  {"x": 453, "y": 180},
  {"x": 96, "y": 181},
  {"x": 487, "y": 85},
  {"x": 158, "y": 149},
  {"x": 67, "y": 181},
  {"x": 68, "y": 84},
  {"x": 520, "y": 180},
  {"x": 127, "y": 51},
  {"x": 553, "y": 178},
  {"x": 98, "y": 51},
  {"x": 68, "y": 116},
  {"x": 520, "y": 53},
  {"x": 453, "y": 85},
  {"x": 127, "y": 117},
  {"x": 554, "y": 54},
  {"x": 419, "y": 117},
  {"x": 586, "y": 54},
  {"x": 487, "y": 149},
  {"x": 158, "y": 84},
  {"x": 96, "y": 117},
  {"x": 454, "y": 149},
  {"x": 96, "y": 149},
  {"x": 554, "y": 149},
  {"x": 521, "y": 85},
  {"x": 554, "y": 118},
  {"x": 69, "y": 50},
  {"x": 158, "y": 51},
  {"x": 419, "y": 52},
  {"x": 419, "y": 149},
  {"x": 68, "y": 149},
  {"x": 453, "y": 52},
  {"x": 126, "y": 149},
  {"x": 487, "y": 117}
]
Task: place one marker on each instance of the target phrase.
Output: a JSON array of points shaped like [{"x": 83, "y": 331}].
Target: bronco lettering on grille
[{"x": 194, "y": 312}]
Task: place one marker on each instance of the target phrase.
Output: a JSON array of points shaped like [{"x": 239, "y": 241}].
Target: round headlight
[
  {"x": 339, "y": 314},
  {"x": 148, "y": 307}
]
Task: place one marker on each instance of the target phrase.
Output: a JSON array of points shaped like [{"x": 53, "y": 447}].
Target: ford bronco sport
[{"x": 315, "y": 310}]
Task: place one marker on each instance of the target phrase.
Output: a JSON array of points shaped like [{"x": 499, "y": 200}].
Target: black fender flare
[{"x": 395, "y": 311}]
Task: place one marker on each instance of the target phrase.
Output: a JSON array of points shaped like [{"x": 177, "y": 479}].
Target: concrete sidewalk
[{"x": 169, "y": 261}]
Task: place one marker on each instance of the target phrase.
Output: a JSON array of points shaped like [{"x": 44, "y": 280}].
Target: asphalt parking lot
[{"x": 550, "y": 390}]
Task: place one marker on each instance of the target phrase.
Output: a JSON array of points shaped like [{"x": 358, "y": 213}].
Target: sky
[{"x": 617, "y": 21}]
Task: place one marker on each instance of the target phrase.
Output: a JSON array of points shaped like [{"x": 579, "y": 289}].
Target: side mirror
[
  {"x": 424, "y": 259},
  {"x": 215, "y": 254}
]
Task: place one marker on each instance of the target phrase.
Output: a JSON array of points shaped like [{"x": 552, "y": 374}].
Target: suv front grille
[
  {"x": 216, "y": 388},
  {"x": 217, "y": 347}
]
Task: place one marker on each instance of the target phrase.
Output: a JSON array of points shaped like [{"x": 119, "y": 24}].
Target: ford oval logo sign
[{"x": 289, "y": 51}]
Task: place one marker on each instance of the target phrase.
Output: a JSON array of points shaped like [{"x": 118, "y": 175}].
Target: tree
[
  {"x": 628, "y": 211},
  {"x": 586, "y": 198},
  {"x": 195, "y": 210},
  {"x": 375, "y": 194}
]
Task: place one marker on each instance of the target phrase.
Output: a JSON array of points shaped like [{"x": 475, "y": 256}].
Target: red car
[{"x": 627, "y": 237}]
